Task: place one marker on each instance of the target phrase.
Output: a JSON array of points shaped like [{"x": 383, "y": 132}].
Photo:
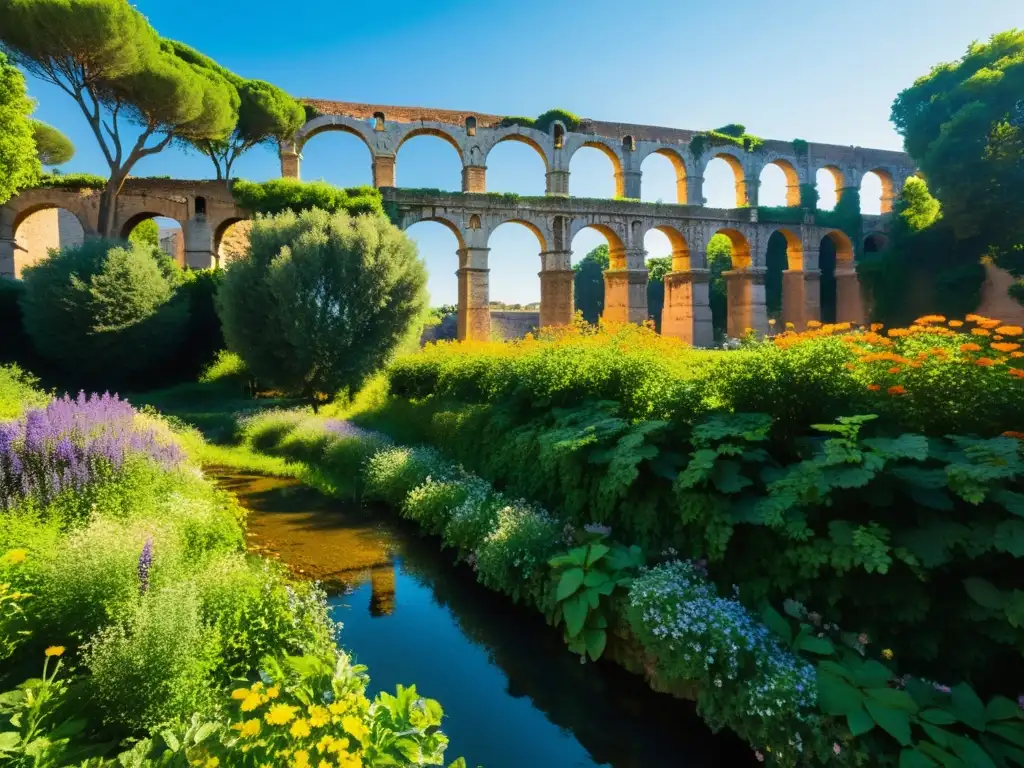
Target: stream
[{"x": 513, "y": 695}]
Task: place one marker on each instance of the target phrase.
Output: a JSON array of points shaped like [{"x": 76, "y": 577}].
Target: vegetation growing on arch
[
  {"x": 19, "y": 164},
  {"x": 733, "y": 134}
]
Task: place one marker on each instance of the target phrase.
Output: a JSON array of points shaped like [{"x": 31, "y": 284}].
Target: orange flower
[
  {"x": 1010, "y": 330},
  {"x": 875, "y": 327},
  {"x": 813, "y": 324},
  {"x": 884, "y": 357},
  {"x": 970, "y": 347},
  {"x": 873, "y": 387},
  {"x": 997, "y": 337},
  {"x": 987, "y": 323},
  {"x": 985, "y": 362},
  {"x": 894, "y": 369},
  {"x": 1019, "y": 373},
  {"x": 898, "y": 332},
  {"x": 1017, "y": 354},
  {"x": 1011, "y": 433},
  {"x": 899, "y": 389},
  {"x": 930, "y": 319},
  {"x": 1005, "y": 347},
  {"x": 955, "y": 323},
  {"x": 850, "y": 366},
  {"x": 939, "y": 352},
  {"x": 980, "y": 332}
]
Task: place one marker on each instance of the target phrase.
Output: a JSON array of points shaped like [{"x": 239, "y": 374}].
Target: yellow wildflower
[
  {"x": 325, "y": 742},
  {"x": 301, "y": 759},
  {"x": 252, "y": 701},
  {"x": 887, "y": 654},
  {"x": 338, "y": 746},
  {"x": 279, "y": 714},
  {"x": 354, "y": 726},
  {"x": 273, "y": 692},
  {"x": 239, "y": 693},
  {"x": 299, "y": 729},
  {"x": 55, "y": 650},
  {"x": 251, "y": 728},
  {"x": 212, "y": 762},
  {"x": 337, "y": 708},
  {"x": 324, "y": 764},
  {"x": 348, "y": 760},
  {"x": 318, "y": 716},
  {"x": 14, "y": 557}
]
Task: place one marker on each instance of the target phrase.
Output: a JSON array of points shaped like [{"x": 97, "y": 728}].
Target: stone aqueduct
[{"x": 206, "y": 210}]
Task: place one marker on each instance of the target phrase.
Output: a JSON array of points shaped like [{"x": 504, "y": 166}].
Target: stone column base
[
  {"x": 687, "y": 311},
  {"x": 625, "y": 296},
  {"x": 556, "y": 297},
  {"x": 558, "y": 183},
  {"x": 801, "y": 297},
  {"x": 383, "y": 171},
  {"x": 6, "y": 258},
  {"x": 849, "y": 298},
  {"x": 291, "y": 163},
  {"x": 474, "y": 178},
  {"x": 745, "y": 302},
  {"x": 474, "y": 318}
]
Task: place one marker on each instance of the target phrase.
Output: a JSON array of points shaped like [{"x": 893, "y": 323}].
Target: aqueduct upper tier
[{"x": 473, "y": 135}]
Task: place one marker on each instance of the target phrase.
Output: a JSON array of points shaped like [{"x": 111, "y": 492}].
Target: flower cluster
[{"x": 70, "y": 443}]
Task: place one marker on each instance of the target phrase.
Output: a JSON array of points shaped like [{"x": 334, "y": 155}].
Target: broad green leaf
[
  {"x": 893, "y": 698},
  {"x": 595, "y": 640},
  {"x": 1015, "y": 609},
  {"x": 171, "y": 740},
  {"x": 859, "y": 721},
  {"x": 205, "y": 731},
  {"x": 985, "y": 593},
  {"x": 1011, "y": 501},
  {"x": 836, "y": 669},
  {"x": 936, "y": 734},
  {"x": 575, "y": 611},
  {"x": 941, "y": 756},
  {"x": 595, "y": 578},
  {"x": 1009, "y": 537},
  {"x": 560, "y": 561},
  {"x": 914, "y": 758},
  {"x": 999, "y": 749},
  {"x": 1001, "y": 708},
  {"x": 819, "y": 645},
  {"x": 895, "y": 722},
  {"x": 571, "y": 580},
  {"x": 938, "y": 717},
  {"x": 872, "y": 674},
  {"x": 592, "y": 596},
  {"x": 906, "y": 446},
  {"x": 9, "y": 740},
  {"x": 836, "y": 696},
  {"x": 596, "y": 552},
  {"x": 968, "y": 707},
  {"x": 774, "y": 621},
  {"x": 970, "y": 752},
  {"x": 1013, "y": 733}
]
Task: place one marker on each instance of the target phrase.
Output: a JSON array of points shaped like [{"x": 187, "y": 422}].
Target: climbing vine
[
  {"x": 733, "y": 134},
  {"x": 543, "y": 121},
  {"x": 800, "y": 146}
]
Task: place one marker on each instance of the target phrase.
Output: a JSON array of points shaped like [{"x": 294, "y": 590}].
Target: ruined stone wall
[
  {"x": 995, "y": 301},
  {"x": 510, "y": 324}
]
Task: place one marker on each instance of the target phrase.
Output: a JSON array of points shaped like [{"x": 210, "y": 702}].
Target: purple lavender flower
[
  {"x": 1020, "y": 702},
  {"x": 145, "y": 562}
]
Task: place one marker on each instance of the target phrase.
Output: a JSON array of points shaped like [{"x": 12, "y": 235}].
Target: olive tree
[
  {"x": 104, "y": 311},
  {"x": 319, "y": 301},
  {"x": 107, "y": 57},
  {"x": 19, "y": 166},
  {"x": 52, "y": 146}
]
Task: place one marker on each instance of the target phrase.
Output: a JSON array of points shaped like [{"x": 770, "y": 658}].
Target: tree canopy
[
  {"x": 588, "y": 285},
  {"x": 107, "y": 57},
  {"x": 320, "y": 300},
  {"x": 19, "y": 166},
  {"x": 265, "y": 114},
  {"x": 963, "y": 124},
  {"x": 52, "y": 146}
]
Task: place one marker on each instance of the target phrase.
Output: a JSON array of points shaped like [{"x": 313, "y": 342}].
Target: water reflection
[{"x": 513, "y": 695}]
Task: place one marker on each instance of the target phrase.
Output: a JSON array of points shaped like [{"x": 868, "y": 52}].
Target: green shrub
[
  {"x": 431, "y": 504},
  {"x": 279, "y": 195},
  {"x": 18, "y": 391},
  {"x": 568, "y": 119},
  {"x": 15, "y": 344},
  {"x": 155, "y": 665},
  {"x": 392, "y": 473},
  {"x": 103, "y": 311},
  {"x": 71, "y": 181}
]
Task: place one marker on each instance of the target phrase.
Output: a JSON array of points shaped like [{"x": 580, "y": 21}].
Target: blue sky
[{"x": 821, "y": 70}]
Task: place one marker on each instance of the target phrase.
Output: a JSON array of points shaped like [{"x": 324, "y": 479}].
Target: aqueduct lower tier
[{"x": 206, "y": 210}]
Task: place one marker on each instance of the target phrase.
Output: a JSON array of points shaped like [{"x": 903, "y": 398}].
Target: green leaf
[
  {"x": 859, "y": 721},
  {"x": 970, "y": 752},
  {"x": 1011, "y": 501},
  {"x": 596, "y": 552},
  {"x": 895, "y": 722},
  {"x": 1009, "y": 537},
  {"x": 914, "y": 758},
  {"x": 836, "y": 669},
  {"x": 941, "y": 756},
  {"x": 936, "y": 734},
  {"x": 893, "y": 698},
  {"x": 872, "y": 674},
  {"x": 595, "y": 578},
  {"x": 776, "y": 623},
  {"x": 819, "y": 645},
  {"x": 9, "y": 741},
  {"x": 575, "y": 611},
  {"x": 984, "y": 593},
  {"x": 836, "y": 696},
  {"x": 571, "y": 580},
  {"x": 171, "y": 740},
  {"x": 1013, "y": 733},
  {"x": 1001, "y": 708},
  {"x": 906, "y": 446},
  {"x": 595, "y": 640},
  {"x": 938, "y": 717},
  {"x": 968, "y": 707}
]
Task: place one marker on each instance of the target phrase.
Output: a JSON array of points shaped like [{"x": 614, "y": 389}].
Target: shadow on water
[{"x": 513, "y": 695}]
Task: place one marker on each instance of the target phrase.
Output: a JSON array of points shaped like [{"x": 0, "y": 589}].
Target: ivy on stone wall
[
  {"x": 279, "y": 195},
  {"x": 543, "y": 121},
  {"x": 311, "y": 112},
  {"x": 800, "y": 146},
  {"x": 733, "y": 134},
  {"x": 70, "y": 181}
]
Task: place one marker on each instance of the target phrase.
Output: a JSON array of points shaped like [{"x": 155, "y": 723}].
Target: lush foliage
[
  {"x": 588, "y": 283},
  {"x": 543, "y": 121},
  {"x": 52, "y": 146},
  {"x": 106, "y": 56},
  {"x": 321, "y": 300},
  {"x": 728, "y": 135},
  {"x": 19, "y": 164},
  {"x": 279, "y": 195},
  {"x": 85, "y": 306},
  {"x": 963, "y": 124},
  {"x": 71, "y": 181}
]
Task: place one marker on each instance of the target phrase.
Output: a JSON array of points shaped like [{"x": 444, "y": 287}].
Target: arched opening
[
  {"x": 719, "y": 260},
  {"x": 829, "y": 181},
  {"x": 340, "y": 157},
  {"x": 875, "y": 242},
  {"x": 666, "y": 252},
  {"x": 471, "y": 126},
  {"x": 835, "y": 258},
  {"x": 780, "y": 185},
  {"x": 592, "y": 249},
  {"x": 42, "y": 230},
  {"x": 877, "y": 192},
  {"x": 516, "y": 164},
  {"x": 439, "y": 244},
  {"x": 474, "y": 222},
  {"x": 724, "y": 185},
  {"x": 514, "y": 261},
  {"x": 159, "y": 232},
  {"x": 628, "y": 144},
  {"x": 429, "y": 160},
  {"x": 594, "y": 171},
  {"x": 378, "y": 121},
  {"x": 199, "y": 206},
  {"x": 231, "y": 240},
  {"x": 664, "y": 178},
  {"x": 558, "y": 133},
  {"x": 784, "y": 252}
]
